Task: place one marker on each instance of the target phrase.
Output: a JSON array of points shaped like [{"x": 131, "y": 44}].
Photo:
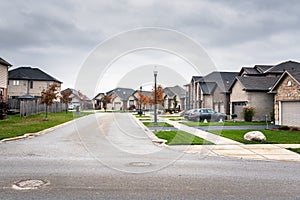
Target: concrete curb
[
  {"x": 31, "y": 135},
  {"x": 150, "y": 134}
]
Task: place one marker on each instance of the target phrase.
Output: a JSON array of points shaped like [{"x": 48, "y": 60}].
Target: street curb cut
[{"x": 31, "y": 135}]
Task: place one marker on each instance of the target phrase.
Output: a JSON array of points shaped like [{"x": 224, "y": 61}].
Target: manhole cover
[
  {"x": 29, "y": 184},
  {"x": 140, "y": 164}
]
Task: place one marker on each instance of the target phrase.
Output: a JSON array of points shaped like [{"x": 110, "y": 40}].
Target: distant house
[
  {"x": 4, "y": 66},
  {"x": 137, "y": 97},
  {"x": 193, "y": 93},
  {"x": 97, "y": 100},
  {"x": 80, "y": 99},
  {"x": 174, "y": 93},
  {"x": 252, "y": 86},
  {"x": 121, "y": 99},
  {"x": 287, "y": 98},
  {"x": 28, "y": 81}
]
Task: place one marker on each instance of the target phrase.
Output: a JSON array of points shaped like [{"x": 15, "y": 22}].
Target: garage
[
  {"x": 290, "y": 113},
  {"x": 237, "y": 108}
]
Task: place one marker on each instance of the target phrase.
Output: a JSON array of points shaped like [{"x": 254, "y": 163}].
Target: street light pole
[
  {"x": 140, "y": 113},
  {"x": 155, "y": 98}
]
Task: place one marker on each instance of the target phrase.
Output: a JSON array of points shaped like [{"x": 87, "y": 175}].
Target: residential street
[{"x": 109, "y": 156}]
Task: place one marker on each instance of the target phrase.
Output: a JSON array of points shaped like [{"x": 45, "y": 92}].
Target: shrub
[
  {"x": 3, "y": 110},
  {"x": 248, "y": 113},
  {"x": 285, "y": 128}
]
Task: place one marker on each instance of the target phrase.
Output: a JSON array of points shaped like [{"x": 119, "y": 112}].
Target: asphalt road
[{"x": 107, "y": 156}]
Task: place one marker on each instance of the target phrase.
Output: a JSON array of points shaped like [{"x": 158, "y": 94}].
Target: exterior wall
[
  {"x": 207, "y": 101},
  {"x": 195, "y": 95},
  {"x": 285, "y": 92},
  {"x": 3, "y": 80},
  {"x": 24, "y": 88},
  {"x": 263, "y": 104},
  {"x": 131, "y": 98},
  {"x": 219, "y": 101},
  {"x": 237, "y": 95},
  {"x": 116, "y": 104}
]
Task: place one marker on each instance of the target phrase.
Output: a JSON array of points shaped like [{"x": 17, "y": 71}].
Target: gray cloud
[{"x": 58, "y": 35}]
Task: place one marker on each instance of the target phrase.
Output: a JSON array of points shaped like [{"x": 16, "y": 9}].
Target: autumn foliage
[
  {"x": 65, "y": 98},
  {"x": 49, "y": 95},
  {"x": 159, "y": 95}
]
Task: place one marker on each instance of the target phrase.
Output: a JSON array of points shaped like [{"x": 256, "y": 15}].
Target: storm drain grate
[{"x": 29, "y": 184}]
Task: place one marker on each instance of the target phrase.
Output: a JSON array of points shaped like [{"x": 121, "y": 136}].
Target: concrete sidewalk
[{"x": 227, "y": 147}]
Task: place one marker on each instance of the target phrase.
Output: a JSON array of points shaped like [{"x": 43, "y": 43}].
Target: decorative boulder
[{"x": 255, "y": 136}]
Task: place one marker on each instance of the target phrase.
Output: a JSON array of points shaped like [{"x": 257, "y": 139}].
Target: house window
[
  {"x": 31, "y": 84},
  {"x": 16, "y": 82},
  {"x": 289, "y": 83},
  {"x": 131, "y": 102},
  {"x": 24, "y": 83}
]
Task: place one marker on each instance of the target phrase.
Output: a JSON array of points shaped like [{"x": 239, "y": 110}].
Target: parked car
[
  {"x": 71, "y": 107},
  {"x": 186, "y": 113},
  {"x": 205, "y": 113}
]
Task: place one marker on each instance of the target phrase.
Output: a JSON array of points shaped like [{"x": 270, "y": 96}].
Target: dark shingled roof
[
  {"x": 174, "y": 91},
  {"x": 196, "y": 78},
  {"x": 28, "y": 73},
  {"x": 123, "y": 93},
  {"x": 263, "y": 68},
  {"x": 208, "y": 87},
  {"x": 257, "y": 83},
  {"x": 223, "y": 79},
  {"x": 296, "y": 75},
  {"x": 249, "y": 71},
  {"x": 285, "y": 66},
  {"x": 4, "y": 62}
]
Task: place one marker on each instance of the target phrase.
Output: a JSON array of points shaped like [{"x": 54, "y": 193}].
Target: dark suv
[{"x": 205, "y": 113}]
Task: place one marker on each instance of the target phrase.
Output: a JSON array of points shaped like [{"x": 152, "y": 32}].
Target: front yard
[
  {"x": 15, "y": 125},
  {"x": 273, "y": 136}
]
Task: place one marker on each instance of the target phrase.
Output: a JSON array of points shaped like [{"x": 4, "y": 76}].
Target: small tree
[
  {"x": 248, "y": 113},
  {"x": 105, "y": 100},
  {"x": 65, "y": 98},
  {"x": 48, "y": 96},
  {"x": 159, "y": 95},
  {"x": 175, "y": 102}
]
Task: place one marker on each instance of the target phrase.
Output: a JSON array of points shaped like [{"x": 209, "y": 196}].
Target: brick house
[
  {"x": 287, "y": 98},
  {"x": 4, "y": 66},
  {"x": 29, "y": 81},
  {"x": 171, "y": 93}
]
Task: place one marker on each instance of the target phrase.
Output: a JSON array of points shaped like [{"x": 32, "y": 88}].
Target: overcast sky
[{"x": 58, "y": 36}]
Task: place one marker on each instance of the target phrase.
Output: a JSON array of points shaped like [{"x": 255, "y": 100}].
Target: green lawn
[
  {"x": 149, "y": 124},
  {"x": 273, "y": 136},
  {"x": 15, "y": 125},
  {"x": 295, "y": 150},
  {"x": 181, "y": 138},
  {"x": 228, "y": 123}
]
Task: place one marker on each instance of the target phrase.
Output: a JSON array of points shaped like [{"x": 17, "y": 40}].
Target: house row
[
  {"x": 28, "y": 83},
  {"x": 129, "y": 99},
  {"x": 273, "y": 90}
]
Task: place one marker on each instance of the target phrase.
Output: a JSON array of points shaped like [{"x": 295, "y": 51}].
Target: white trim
[{"x": 279, "y": 113}]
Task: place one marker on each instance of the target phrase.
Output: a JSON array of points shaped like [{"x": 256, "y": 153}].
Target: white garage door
[{"x": 290, "y": 113}]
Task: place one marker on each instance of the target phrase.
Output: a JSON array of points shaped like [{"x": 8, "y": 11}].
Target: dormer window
[{"x": 289, "y": 83}]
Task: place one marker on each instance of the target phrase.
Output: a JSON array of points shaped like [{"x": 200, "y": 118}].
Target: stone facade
[{"x": 287, "y": 90}]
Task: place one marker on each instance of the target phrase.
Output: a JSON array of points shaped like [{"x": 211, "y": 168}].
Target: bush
[
  {"x": 248, "y": 113},
  {"x": 3, "y": 110},
  {"x": 285, "y": 128}
]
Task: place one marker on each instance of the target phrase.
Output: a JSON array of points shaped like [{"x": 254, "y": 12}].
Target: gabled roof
[
  {"x": 294, "y": 74},
  {"x": 175, "y": 91},
  {"x": 208, "y": 87},
  {"x": 196, "y": 78},
  {"x": 28, "y": 73},
  {"x": 77, "y": 94},
  {"x": 257, "y": 83},
  {"x": 223, "y": 79},
  {"x": 248, "y": 71},
  {"x": 263, "y": 68},
  {"x": 285, "y": 66},
  {"x": 122, "y": 93},
  {"x": 4, "y": 62},
  {"x": 98, "y": 95}
]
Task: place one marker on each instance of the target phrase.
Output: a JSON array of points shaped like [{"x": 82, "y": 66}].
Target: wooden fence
[{"x": 34, "y": 106}]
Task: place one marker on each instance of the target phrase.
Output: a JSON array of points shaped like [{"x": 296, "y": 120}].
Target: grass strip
[
  {"x": 161, "y": 124},
  {"x": 296, "y": 150},
  {"x": 181, "y": 138},
  {"x": 229, "y": 123}
]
